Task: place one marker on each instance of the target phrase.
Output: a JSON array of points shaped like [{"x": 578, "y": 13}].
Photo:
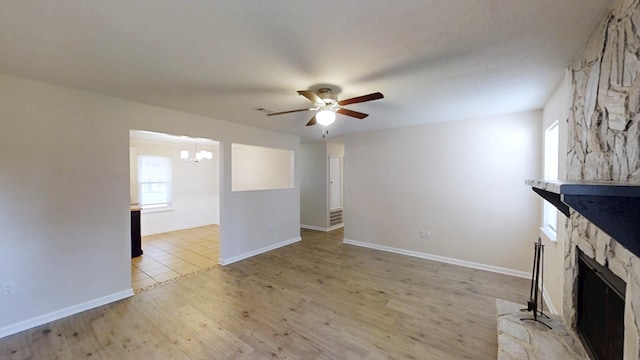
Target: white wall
[
  {"x": 261, "y": 168},
  {"x": 463, "y": 181},
  {"x": 334, "y": 148},
  {"x": 556, "y": 108},
  {"x": 195, "y": 188},
  {"x": 64, "y": 196}
]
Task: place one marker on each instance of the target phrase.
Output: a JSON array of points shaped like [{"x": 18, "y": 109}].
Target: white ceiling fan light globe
[{"x": 325, "y": 117}]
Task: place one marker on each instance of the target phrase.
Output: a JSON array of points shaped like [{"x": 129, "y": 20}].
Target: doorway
[
  {"x": 180, "y": 195},
  {"x": 335, "y": 190}
]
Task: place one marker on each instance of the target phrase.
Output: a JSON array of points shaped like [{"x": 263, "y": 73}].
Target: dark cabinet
[{"x": 136, "y": 237}]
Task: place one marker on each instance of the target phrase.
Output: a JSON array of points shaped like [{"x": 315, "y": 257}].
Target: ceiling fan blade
[
  {"x": 287, "y": 112},
  {"x": 311, "y": 96},
  {"x": 312, "y": 121},
  {"x": 363, "y": 98},
  {"x": 352, "y": 113}
]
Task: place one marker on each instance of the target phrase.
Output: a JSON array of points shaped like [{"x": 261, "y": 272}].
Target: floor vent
[{"x": 335, "y": 217}]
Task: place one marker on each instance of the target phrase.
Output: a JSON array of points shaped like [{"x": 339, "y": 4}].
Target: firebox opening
[{"x": 600, "y": 309}]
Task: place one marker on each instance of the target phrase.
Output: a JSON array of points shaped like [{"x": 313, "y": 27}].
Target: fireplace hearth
[{"x": 600, "y": 310}]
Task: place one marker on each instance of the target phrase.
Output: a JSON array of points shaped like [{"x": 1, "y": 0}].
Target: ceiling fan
[{"x": 328, "y": 105}]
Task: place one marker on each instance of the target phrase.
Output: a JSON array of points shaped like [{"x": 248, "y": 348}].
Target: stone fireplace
[
  {"x": 611, "y": 255},
  {"x": 602, "y": 275},
  {"x": 603, "y": 163},
  {"x": 604, "y": 145},
  {"x": 603, "y": 148}
]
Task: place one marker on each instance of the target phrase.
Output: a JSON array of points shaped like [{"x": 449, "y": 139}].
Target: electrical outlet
[
  {"x": 427, "y": 235},
  {"x": 423, "y": 234},
  {"x": 8, "y": 288}
]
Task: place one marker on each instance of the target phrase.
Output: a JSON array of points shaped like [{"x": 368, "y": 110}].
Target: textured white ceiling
[{"x": 434, "y": 60}]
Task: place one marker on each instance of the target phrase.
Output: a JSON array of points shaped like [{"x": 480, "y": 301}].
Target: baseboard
[
  {"x": 318, "y": 228},
  {"x": 59, "y": 314},
  {"x": 191, "y": 226},
  {"x": 249, "y": 254},
  {"x": 547, "y": 300},
  {"x": 469, "y": 264}
]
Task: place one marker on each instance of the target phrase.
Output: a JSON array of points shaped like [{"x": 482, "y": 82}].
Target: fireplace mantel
[{"x": 614, "y": 207}]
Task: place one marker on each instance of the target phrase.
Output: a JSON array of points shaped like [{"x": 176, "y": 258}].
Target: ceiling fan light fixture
[
  {"x": 325, "y": 104},
  {"x": 325, "y": 117}
]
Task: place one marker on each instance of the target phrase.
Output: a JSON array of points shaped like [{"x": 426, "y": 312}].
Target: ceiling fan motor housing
[{"x": 327, "y": 96}]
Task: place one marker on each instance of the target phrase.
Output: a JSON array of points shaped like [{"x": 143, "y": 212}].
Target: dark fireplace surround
[
  {"x": 614, "y": 207},
  {"x": 600, "y": 309}
]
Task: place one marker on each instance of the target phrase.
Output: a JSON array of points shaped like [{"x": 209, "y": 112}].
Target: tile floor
[{"x": 171, "y": 255}]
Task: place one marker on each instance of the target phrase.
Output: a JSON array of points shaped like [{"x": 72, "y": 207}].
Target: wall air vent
[{"x": 335, "y": 217}]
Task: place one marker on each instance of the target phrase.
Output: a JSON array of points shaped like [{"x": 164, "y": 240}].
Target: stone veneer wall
[{"x": 604, "y": 144}]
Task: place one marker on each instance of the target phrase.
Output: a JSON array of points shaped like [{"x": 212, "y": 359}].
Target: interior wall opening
[{"x": 175, "y": 187}]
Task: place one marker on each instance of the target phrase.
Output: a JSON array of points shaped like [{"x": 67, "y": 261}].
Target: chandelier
[{"x": 199, "y": 155}]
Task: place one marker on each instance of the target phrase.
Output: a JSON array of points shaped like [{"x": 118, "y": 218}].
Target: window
[
  {"x": 154, "y": 180},
  {"x": 550, "y": 213}
]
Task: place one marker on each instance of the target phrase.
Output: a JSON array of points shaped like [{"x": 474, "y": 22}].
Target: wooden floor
[{"x": 316, "y": 299}]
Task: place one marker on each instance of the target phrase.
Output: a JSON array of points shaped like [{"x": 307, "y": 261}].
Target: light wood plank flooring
[{"x": 316, "y": 299}]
